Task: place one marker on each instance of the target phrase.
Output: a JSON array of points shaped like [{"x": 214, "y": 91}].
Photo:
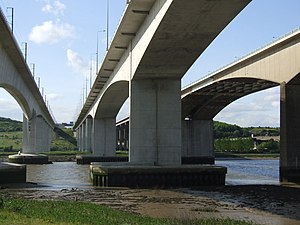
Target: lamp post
[
  {"x": 97, "y": 50},
  {"x": 12, "y": 18},
  {"x": 107, "y": 23},
  {"x": 33, "y": 69},
  {"x": 25, "y": 50}
]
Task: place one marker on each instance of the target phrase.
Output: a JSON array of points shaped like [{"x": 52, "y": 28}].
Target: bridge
[
  {"x": 16, "y": 79},
  {"x": 153, "y": 47},
  {"x": 146, "y": 62},
  {"x": 273, "y": 65}
]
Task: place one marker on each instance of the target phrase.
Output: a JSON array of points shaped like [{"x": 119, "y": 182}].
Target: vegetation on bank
[
  {"x": 21, "y": 211},
  {"x": 224, "y": 130},
  {"x": 228, "y": 138},
  {"x": 9, "y": 125},
  {"x": 235, "y": 139}
]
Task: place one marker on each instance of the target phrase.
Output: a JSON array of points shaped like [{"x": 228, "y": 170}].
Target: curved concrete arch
[
  {"x": 206, "y": 103},
  {"x": 19, "y": 98},
  {"x": 112, "y": 100}
]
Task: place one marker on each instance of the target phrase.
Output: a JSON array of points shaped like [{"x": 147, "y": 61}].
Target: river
[{"x": 60, "y": 175}]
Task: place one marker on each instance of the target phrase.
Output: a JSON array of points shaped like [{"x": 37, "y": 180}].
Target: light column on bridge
[
  {"x": 104, "y": 137},
  {"x": 197, "y": 139},
  {"x": 155, "y": 122},
  {"x": 290, "y": 133}
]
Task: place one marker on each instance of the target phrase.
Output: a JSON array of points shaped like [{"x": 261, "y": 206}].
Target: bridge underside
[{"x": 207, "y": 102}]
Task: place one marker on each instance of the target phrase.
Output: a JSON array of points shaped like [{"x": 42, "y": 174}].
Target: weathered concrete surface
[
  {"x": 289, "y": 132},
  {"x": 12, "y": 173},
  {"x": 143, "y": 176},
  {"x": 155, "y": 122},
  {"x": 25, "y": 158}
]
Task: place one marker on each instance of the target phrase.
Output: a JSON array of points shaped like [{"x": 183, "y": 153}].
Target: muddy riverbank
[{"x": 263, "y": 204}]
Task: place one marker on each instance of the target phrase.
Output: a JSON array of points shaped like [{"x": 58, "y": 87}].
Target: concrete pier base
[
  {"x": 24, "y": 158},
  {"x": 290, "y": 175},
  {"x": 12, "y": 173},
  {"x": 143, "y": 176},
  {"x": 87, "y": 159}
]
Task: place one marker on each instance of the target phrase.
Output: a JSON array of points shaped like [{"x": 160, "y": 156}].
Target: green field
[{"x": 11, "y": 141}]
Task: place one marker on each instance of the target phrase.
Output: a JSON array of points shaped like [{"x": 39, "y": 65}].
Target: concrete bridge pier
[
  {"x": 122, "y": 136},
  {"x": 290, "y": 133},
  {"x": 197, "y": 142},
  {"x": 104, "y": 137},
  {"x": 88, "y": 134},
  {"x": 82, "y": 136},
  {"x": 25, "y": 141},
  {"x": 155, "y": 122},
  {"x": 37, "y": 135}
]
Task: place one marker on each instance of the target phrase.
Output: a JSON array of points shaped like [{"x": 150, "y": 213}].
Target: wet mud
[{"x": 262, "y": 204}]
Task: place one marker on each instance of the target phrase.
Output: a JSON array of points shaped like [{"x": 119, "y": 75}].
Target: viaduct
[
  {"x": 154, "y": 45},
  {"x": 16, "y": 79}
]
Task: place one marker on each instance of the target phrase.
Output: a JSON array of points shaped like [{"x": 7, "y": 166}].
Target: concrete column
[
  {"x": 290, "y": 133},
  {"x": 126, "y": 136},
  {"x": 155, "y": 122},
  {"x": 79, "y": 138},
  {"x": 197, "y": 138},
  {"x": 83, "y": 137},
  {"x": 104, "y": 137},
  {"x": 25, "y": 142},
  {"x": 88, "y": 134},
  {"x": 39, "y": 139}
]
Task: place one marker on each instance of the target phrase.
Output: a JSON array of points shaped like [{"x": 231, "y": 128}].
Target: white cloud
[
  {"x": 51, "y": 32},
  {"x": 76, "y": 62},
  {"x": 259, "y": 109},
  {"x": 54, "y": 97},
  {"x": 57, "y": 8}
]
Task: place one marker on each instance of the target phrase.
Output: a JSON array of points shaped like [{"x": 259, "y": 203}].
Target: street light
[
  {"x": 97, "y": 52},
  {"x": 33, "y": 69},
  {"x": 25, "y": 50},
  {"x": 12, "y": 18},
  {"x": 107, "y": 23}
]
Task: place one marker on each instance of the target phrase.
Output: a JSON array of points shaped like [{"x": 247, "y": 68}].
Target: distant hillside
[
  {"x": 224, "y": 130},
  {"x": 221, "y": 130},
  {"x": 9, "y": 125}
]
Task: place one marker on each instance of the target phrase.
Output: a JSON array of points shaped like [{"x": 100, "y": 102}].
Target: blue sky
[{"x": 62, "y": 39}]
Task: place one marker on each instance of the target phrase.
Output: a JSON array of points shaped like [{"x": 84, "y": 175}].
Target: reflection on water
[
  {"x": 60, "y": 175},
  {"x": 251, "y": 171},
  {"x": 70, "y": 175}
]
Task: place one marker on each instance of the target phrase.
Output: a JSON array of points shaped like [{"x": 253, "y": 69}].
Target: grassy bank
[{"x": 20, "y": 211}]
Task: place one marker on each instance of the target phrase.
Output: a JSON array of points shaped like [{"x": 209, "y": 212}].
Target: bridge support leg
[
  {"x": 82, "y": 135},
  {"x": 104, "y": 137},
  {"x": 290, "y": 133},
  {"x": 88, "y": 134},
  {"x": 79, "y": 138},
  {"x": 197, "y": 141},
  {"x": 25, "y": 142},
  {"x": 155, "y": 122},
  {"x": 38, "y": 137}
]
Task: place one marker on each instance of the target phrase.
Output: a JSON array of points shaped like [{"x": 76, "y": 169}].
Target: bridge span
[
  {"x": 276, "y": 64},
  {"x": 16, "y": 79},
  {"x": 155, "y": 44}
]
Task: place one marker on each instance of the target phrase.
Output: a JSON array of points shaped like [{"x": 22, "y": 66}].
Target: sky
[{"x": 62, "y": 44}]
